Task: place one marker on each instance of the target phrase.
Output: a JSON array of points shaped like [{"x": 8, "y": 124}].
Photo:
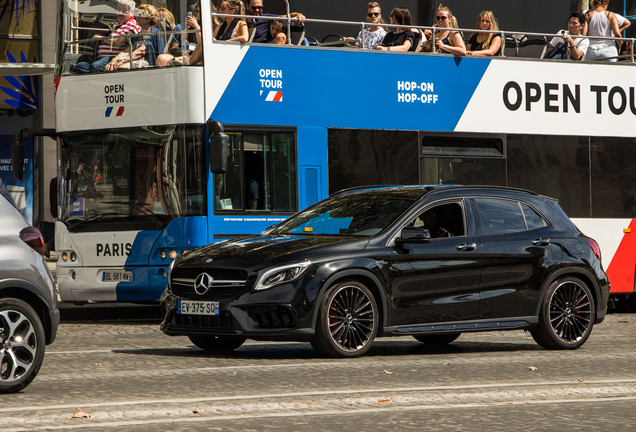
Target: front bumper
[{"x": 270, "y": 315}]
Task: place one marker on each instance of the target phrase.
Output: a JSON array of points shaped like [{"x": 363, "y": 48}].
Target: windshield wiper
[{"x": 91, "y": 219}]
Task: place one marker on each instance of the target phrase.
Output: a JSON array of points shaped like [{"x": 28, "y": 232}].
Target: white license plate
[
  {"x": 198, "y": 308},
  {"x": 117, "y": 276}
]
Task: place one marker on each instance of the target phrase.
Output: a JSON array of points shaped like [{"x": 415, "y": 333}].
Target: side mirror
[
  {"x": 219, "y": 148},
  {"x": 414, "y": 235},
  {"x": 18, "y": 149}
]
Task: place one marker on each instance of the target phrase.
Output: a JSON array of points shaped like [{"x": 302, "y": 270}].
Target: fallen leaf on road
[
  {"x": 446, "y": 364},
  {"x": 301, "y": 423},
  {"x": 532, "y": 368},
  {"x": 98, "y": 364},
  {"x": 387, "y": 372},
  {"x": 384, "y": 400},
  {"x": 580, "y": 380},
  {"x": 80, "y": 414},
  {"x": 195, "y": 412}
]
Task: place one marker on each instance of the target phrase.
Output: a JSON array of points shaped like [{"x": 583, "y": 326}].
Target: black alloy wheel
[
  {"x": 22, "y": 344},
  {"x": 217, "y": 343},
  {"x": 567, "y": 315},
  {"x": 347, "y": 321},
  {"x": 440, "y": 339}
]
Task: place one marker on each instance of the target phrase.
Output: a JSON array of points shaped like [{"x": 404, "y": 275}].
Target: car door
[
  {"x": 519, "y": 249},
  {"x": 437, "y": 280}
]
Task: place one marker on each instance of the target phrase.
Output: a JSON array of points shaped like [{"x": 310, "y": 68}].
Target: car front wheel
[
  {"x": 22, "y": 344},
  {"x": 217, "y": 343},
  {"x": 567, "y": 315},
  {"x": 347, "y": 321}
]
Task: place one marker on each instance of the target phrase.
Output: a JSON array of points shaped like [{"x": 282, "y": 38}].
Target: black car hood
[{"x": 266, "y": 248}]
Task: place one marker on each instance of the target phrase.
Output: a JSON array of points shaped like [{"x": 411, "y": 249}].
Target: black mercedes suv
[{"x": 428, "y": 262}]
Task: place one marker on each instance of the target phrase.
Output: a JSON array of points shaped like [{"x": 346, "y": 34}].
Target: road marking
[
  {"x": 301, "y": 413},
  {"x": 318, "y": 393}
]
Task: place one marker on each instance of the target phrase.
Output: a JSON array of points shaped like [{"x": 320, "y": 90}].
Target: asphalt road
[{"x": 126, "y": 375}]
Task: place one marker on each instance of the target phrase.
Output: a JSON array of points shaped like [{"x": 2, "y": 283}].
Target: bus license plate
[
  {"x": 117, "y": 276},
  {"x": 198, "y": 308}
]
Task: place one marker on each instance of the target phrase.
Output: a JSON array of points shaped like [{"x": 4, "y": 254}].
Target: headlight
[{"x": 282, "y": 274}]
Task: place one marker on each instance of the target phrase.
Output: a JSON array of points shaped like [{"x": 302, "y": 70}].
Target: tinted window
[
  {"x": 360, "y": 214},
  {"x": 446, "y": 220},
  {"x": 500, "y": 216},
  {"x": 365, "y": 157},
  {"x": 533, "y": 220}
]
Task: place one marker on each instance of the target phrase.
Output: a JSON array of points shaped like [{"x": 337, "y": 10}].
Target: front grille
[
  {"x": 224, "y": 321},
  {"x": 226, "y": 283}
]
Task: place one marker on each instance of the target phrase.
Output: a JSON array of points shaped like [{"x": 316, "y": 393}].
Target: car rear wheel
[
  {"x": 217, "y": 343},
  {"x": 347, "y": 321},
  {"x": 22, "y": 344},
  {"x": 441, "y": 339},
  {"x": 567, "y": 315}
]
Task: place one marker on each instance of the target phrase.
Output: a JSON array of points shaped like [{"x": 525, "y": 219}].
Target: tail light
[
  {"x": 33, "y": 237},
  {"x": 595, "y": 248}
]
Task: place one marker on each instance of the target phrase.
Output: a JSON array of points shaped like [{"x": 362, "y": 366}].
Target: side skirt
[{"x": 517, "y": 323}]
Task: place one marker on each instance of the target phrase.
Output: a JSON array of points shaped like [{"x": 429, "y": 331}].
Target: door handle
[
  {"x": 541, "y": 241},
  {"x": 466, "y": 247}
]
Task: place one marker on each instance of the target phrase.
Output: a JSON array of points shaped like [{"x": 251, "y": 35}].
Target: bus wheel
[
  {"x": 22, "y": 344},
  {"x": 441, "y": 339},
  {"x": 567, "y": 315},
  {"x": 347, "y": 321},
  {"x": 217, "y": 343}
]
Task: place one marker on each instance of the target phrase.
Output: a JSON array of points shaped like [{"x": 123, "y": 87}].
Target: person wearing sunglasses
[
  {"x": 401, "y": 38},
  {"x": 482, "y": 43},
  {"x": 261, "y": 26},
  {"x": 446, "y": 41},
  {"x": 373, "y": 35}
]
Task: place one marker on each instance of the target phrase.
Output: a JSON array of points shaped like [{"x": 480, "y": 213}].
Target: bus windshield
[
  {"x": 101, "y": 36},
  {"x": 136, "y": 178}
]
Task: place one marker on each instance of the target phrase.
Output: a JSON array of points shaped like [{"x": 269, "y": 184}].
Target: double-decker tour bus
[{"x": 137, "y": 146}]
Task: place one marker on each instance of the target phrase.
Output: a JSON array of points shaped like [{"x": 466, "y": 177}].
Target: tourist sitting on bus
[
  {"x": 145, "y": 55},
  {"x": 373, "y": 35},
  {"x": 232, "y": 29},
  {"x": 626, "y": 51},
  {"x": 165, "y": 24},
  {"x": 446, "y": 41},
  {"x": 191, "y": 38},
  {"x": 400, "y": 39},
  {"x": 570, "y": 44},
  {"x": 277, "y": 32},
  {"x": 485, "y": 44},
  {"x": 601, "y": 22},
  {"x": 261, "y": 26},
  {"x": 112, "y": 45}
]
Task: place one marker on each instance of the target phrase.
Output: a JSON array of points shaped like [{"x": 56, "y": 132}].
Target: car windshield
[{"x": 359, "y": 214}]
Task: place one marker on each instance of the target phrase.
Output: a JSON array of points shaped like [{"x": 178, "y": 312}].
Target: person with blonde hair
[
  {"x": 601, "y": 22},
  {"x": 232, "y": 29},
  {"x": 446, "y": 41},
  {"x": 482, "y": 43},
  {"x": 374, "y": 34}
]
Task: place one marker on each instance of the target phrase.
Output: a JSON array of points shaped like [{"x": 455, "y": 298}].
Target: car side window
[
  {"x": 533, "y": 220},
  {"x": 446, "y": 220},
  {"x": 499, "y": 216}
]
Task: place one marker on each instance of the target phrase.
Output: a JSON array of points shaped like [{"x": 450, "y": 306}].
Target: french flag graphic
[
  {"x": 109, "y": 111},
  {"x": 272, "y": 96}
]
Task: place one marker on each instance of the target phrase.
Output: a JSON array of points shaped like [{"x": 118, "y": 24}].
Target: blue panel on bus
[
  {"x": 304, "y": 87},
  {"x": 311, "y": 185}
]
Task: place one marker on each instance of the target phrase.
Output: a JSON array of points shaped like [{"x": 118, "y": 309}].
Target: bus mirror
[
  {"x": 17, "y": 157},
  {"x": 219, "y": 148}
]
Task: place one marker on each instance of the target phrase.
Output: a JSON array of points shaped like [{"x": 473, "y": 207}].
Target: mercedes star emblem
[{"x": 203, "y": 283}]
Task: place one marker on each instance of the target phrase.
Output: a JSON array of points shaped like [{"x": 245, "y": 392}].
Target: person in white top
[
  {"x": 601, "y": 22},
  {"x": 375, "y": 34},
  {"x": 577, "y": 45}
]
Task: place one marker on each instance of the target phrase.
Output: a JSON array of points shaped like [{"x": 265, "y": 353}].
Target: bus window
[
  {"x": 261, "y": 173},
  {"x": 137, "y": 178},
  {"x": 465, "y": 160}
]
